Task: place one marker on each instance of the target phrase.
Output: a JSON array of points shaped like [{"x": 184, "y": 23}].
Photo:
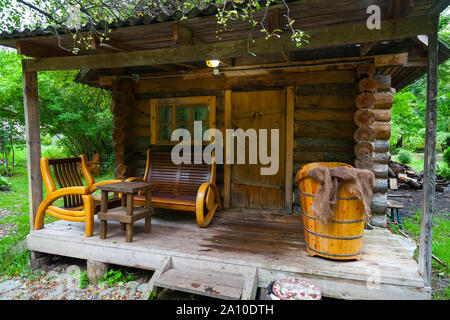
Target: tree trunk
[{"x": 12, "y": 152}]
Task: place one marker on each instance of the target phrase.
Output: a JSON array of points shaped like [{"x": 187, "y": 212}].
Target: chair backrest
[
  {"x": 96, "y": 158},
  {"x": 66, "y": 173},
  {"x": 175, "y": 179}
]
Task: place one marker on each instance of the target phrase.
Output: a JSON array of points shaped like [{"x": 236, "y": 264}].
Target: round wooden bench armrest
[{"x": 212, "y": 201}]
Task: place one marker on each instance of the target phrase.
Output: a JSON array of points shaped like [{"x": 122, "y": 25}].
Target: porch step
[
  {"x": 220, "y": 286},
  {"x": 211, "y": 283}
]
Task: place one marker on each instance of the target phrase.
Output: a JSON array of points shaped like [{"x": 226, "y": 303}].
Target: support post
[
  {"x": 289, "y": 168},
  {"x": 33, "y": 142},
  {"x": 429, "y": 179},
  {"x": 96, "y": 270},
  {"x": 227, "y": 166}
]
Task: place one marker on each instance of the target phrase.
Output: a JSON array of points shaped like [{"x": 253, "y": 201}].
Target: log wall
[{"x": 324, "y": 114}]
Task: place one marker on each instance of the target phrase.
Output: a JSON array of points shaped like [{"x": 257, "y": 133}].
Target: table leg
[
  {"x": 123, "y": 202},
  {"x": 148, "y": 224},
  {"x": 103, "y": 229},
  {"x": 104, "y": 201},
  {"x": 130, "y": 198},
  {"x": 129, "y": 232},
  {"x": 122, "y": 226},
  {"x": 148, "y": 205}
]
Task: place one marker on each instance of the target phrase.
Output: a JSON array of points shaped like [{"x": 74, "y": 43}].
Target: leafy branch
[{"x": 74, "y": 15}]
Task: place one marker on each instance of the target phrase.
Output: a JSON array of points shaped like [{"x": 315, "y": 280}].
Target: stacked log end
[
  {"x": 122, "y": 102},
  {"x": 364, "y": 118},
  {"x": 374, "y": 101},
  {"x": 384, "y": 98}
]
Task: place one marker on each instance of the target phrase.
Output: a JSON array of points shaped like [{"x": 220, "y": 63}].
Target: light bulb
[{"x": 212, "y": 63}]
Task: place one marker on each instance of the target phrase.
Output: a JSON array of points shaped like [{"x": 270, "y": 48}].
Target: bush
[
  {"x": 3, "y": 182},
  {"x": 54, "y": 152},
  {"x": 47, "y": 140},
  {"x": 404, "y": 156},
  {"x": 447, "y": 156},
  {"x": 443, "y": 171}
]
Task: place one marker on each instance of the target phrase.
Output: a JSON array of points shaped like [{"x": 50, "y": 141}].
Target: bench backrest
[{"x": 182, "y": 179}]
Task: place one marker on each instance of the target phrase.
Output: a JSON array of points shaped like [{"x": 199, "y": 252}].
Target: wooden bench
[
  {"x": 185, "y": 187},
  {"x": 395, "y": 206}
]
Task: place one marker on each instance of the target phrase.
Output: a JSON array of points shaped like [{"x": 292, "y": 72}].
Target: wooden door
[{"x": 258, "y": 110}]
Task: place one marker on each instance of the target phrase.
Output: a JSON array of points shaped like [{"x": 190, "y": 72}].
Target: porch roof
[{"x": 165, "y": 43}]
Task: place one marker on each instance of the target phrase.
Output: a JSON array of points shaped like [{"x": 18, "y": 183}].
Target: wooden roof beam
[
  {"x": 38, "y": 50},
  {"x": 184, "y": 36},
  {"x": 109, "y": 46},
  {"x": 319, "y": 38},
  {"x": 402, "y": 8},
  {"x": 438, "y": 7}
]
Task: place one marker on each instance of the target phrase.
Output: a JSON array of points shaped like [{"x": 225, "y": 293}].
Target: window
[{"x": 169, "y": 114}]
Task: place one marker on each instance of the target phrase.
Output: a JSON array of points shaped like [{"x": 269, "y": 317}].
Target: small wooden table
[{"x": 126, "y": 214}]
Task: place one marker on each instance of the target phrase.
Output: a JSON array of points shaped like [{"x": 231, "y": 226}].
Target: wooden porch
[{"x": 236, "y": 243}]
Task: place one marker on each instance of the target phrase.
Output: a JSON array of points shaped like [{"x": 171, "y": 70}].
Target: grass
[
  {"x": 441, "y": 246},
  {"x": 16, "y": 202},
  {"x": 417, "y": 161},
  {"x": 115, "y": 277}
]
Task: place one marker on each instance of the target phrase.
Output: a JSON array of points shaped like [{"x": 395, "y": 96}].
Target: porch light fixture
[
  {"x": 212, "y": 63},
  {"x": 216, "y": 73}
]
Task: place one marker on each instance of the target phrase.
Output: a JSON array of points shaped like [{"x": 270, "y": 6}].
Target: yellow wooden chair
[{"x": 79, "y": 203}]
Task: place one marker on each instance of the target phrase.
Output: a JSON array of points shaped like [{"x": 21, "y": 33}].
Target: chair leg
[{"x": 89, "y": 211}]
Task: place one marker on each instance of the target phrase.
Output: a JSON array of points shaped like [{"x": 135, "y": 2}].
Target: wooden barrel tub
[{"x": 341, "y": 238}]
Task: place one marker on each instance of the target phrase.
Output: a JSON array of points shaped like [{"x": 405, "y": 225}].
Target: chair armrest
[
  {"x": 94, "y": 186},
  {"x": 66, "y": 192}
]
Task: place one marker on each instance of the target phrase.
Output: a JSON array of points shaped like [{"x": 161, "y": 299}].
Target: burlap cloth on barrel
[{"x": 356, "y": 181}]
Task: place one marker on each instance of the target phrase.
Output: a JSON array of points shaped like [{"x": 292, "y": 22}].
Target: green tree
[
  {"x": 409, "y": 108},
  {"x": 77, "y": 114}
]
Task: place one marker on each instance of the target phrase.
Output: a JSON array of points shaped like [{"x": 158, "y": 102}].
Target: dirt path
[{"x": 412, "y": 200}]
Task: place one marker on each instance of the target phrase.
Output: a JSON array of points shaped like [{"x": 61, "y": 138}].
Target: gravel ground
[
  {"x": 9, "y": 227},
  {"x": 57, "y": 281},
  {"x": 412, "y": 200}
]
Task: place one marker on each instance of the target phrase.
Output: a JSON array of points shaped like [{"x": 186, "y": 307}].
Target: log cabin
[{"x": 330, "y": 98}]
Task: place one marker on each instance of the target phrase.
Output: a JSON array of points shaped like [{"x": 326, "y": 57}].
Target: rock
[
  {"x": 141, "y": 287},
  {"x": 133, "y": 284},
  {"x": 9, "y": 285},
  {"x": 57, "y": 292}
]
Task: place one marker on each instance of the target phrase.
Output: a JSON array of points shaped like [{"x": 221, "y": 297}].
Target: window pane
[
  {"x": 165, "y": 114},
  {"x": 184, "y": 126},
  {"x": 183, "y": 114},
  {"x": 200, "y": 113},
  {"x": 165, "y": 132}
]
